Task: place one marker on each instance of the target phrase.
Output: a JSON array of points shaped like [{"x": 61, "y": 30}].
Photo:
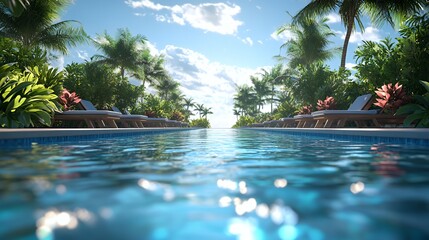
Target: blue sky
[{"x": 209, "y": 46}]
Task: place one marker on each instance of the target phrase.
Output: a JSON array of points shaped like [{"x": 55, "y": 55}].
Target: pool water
[{"x": 214, "y": 184}]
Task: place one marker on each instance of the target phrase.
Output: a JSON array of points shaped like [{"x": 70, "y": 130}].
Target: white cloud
[
  {"x": 260, "y": 42},
  {"x": 83, "y": 55},
  {"x": 212, "y": 17},
  {"x": 333, "y": 18},
  {"x": 248, "y": 41},
  {"x": 351, "y": 66},
  {"x": 370, "y": 34},
  {"x": 57, "y": 62},
  {"x": 285, "y": 36},
  {"x": 207, "y": 82}
]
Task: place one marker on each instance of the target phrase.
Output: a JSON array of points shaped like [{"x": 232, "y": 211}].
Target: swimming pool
[{"x": 214, "y": 184}]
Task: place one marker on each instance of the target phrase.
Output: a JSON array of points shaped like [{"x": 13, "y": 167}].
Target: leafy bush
[
  {"x": 50, "y": 77},
  {"x": 177, "y": 115},
  {"x": 417, "y": 112},
  {"x": 68, "y": 100},
  {"x": 244, "y": 121},
  {"x": 306, "y": 109},
  {"x": 327, "y": 104},
  {"x": 24, "y": 102},
  {"x": 200, "y": 122},
  {"x": 390, "y": 97}
]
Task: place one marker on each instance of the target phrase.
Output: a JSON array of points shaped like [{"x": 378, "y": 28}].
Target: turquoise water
[{"x": 214, "y": 184}]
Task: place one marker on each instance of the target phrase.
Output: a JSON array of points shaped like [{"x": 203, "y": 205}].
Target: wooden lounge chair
[
  {"x": 326, "y": 118},
  {"x": 357, "y": 112},
  {"x": 93, "y": 117}
]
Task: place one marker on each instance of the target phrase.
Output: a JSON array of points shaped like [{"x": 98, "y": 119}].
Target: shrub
[
  {"x": 306, "y": 109},
  {"x": 327, "y": 104},
  {"x": 24, "y": 102},
  {"x": 200, "y": 122},
  {"x": 244, "y": 121},
  {"x": 390, "y": 97},
  {"x": 68, "y": 100},
  {"x": 417, "y": 112}
]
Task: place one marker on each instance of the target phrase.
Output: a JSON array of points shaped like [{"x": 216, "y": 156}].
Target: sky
[{"x": 210, "y": 47}]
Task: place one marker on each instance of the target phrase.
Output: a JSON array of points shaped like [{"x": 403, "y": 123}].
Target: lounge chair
[
  {"x": 131, "y": 120},
  {"x": 92, "y": 117},
  {"x": 357, "y": 112},
  {"x": 325, "y": 118}
]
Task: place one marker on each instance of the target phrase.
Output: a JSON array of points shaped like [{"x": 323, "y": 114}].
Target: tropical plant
[
  {"x": 200, "y": 123},
  {"x": 245, "y": 99},
  {"x": 166, "y": 88},
  {"x": 150, "y": 69},
  {"x": 199, "y": 108},
  {"x": 34, "y": 25},
  {"x": 261, "y": 89},
  {"x": 413, "y": 52},
  {"x": 417, "y": 112},
  {"x": 377, "y": 61},
  {"x": 14, "y": 52},
  {"x": 68, "y": 99},
  {"x": 327, "y": 104},
  {"x": 351, "y": 12},
  {"x": 16, "y": 7},
  {"x": 390, "y": 97},
  {"x": 275, "y": 77},
  {"x": 205, "y": 112},
  {"x": 51, "y": 78},
  {"x": 122, "y": 52},
  {"x": 307, "y": 109},
  {"x": 177, "y": 115},
  {"x": 154, "y": 106},
  {"x": 244, "y": 121},
  {"x": 309, "y": 44},
  {"x": 24, "y": 102}
]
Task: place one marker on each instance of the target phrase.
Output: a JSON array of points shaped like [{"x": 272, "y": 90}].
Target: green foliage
[
  {"x": 51, "y": 78},
  {"x": 406, "y": 62},
  {"x": 154, "y": 106},
  {"x": 244, "y": 121},
  {"x": 14, "y": 52},
  {"x": 418, "y": 112},
  {"x": 377, "y": 63},
  {"x": 23, "y": 101},
  {"x": 99, "y": 84},
  {"x": 200, "y": 123},
  {"x": 37, "y": 25},
  {"x": 312, "y": 84}
]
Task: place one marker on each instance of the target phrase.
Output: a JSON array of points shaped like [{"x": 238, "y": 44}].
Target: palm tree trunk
[{"x": 346, "y": 44}]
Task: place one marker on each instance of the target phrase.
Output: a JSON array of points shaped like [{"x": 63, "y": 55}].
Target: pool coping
[
  {"x": 418, "y": 136},
  {"x": 19, "y": 137},
  {"x": 9, "y": 136}
]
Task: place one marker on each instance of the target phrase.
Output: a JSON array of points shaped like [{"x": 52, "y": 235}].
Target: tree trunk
[{"x": 346, "y": 44}]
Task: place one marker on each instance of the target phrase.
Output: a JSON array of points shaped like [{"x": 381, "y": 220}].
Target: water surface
[{"x": 214, "y": 184}]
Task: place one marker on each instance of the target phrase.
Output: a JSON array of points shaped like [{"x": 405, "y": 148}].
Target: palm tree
[
  {"x": 236, "y": 113},
  {"x": 32, "y": 24},
  {"x": 206, "y": 111},
  {"x": 199, "y": 108},
  {"x": 166, "y": 87},
  {"x": 150, "y": 68},
  {"x": 262, "y": 90},
  {"x": 310, "y": 44},
  {"x": 188, "y": 102},
  {"x": 16, "y": 7},
  {"x": 246, "y": 99},
  {"x": 122, "y": 52},
  {"x": 351, "y": 12},
  {"x": 274, "y": 77}
]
